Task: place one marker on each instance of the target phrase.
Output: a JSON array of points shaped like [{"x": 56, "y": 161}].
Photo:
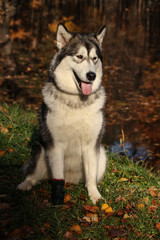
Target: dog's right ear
[{"x": 63, "y": 36}]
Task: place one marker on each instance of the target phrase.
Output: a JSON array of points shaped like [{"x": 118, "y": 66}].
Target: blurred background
[{"x": 131, "y": 53}]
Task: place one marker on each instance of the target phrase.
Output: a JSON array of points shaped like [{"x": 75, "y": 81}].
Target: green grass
[{"x": 30, "y": 215}]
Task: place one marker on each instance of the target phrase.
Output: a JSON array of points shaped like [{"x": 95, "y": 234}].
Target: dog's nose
[{"x": 91, "y": 76}]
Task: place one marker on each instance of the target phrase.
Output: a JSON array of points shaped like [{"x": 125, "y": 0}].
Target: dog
[{"x": 71, "y": 120}]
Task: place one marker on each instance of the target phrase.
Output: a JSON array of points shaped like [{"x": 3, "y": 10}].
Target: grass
[{"x": 131, "y": 190}]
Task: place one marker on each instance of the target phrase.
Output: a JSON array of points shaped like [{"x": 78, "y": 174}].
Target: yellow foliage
[
  {"x": 123, "y": 180},
  {"x": 107, "y": 208},
  {"x": 104, "y": 206},
  {"x": 21, "y": 34},
  {"x": 36, "y": 4},
  {"x": 68, "y": 23}
]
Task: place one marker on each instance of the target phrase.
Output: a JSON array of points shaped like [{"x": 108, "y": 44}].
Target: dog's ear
[
  {"x": 100, "y": 34},
  {"x": 63, "y": 36}
]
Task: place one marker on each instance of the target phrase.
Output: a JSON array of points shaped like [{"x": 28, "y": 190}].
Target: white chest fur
[{"x": 69, "y": 118}]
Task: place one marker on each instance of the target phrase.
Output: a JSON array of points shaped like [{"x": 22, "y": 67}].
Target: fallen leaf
[
  {"x": 68, "y": 235},
  {"x": 158, "y": 226},
  {"x": 47, "y": 225},
  {"x": 120, "y": 198},
  {"x": 120, "y": 213},
  {"x": 93, "y": 217},
  {"x": 154, "y": 203},
  {"x": 11, "y": 150},
  {"x": 67, "y": 198},
  {"x": 91, "y": 209},
  {"x": 115, "y": 171},
  {"x": 68, "y": 205},
  {"x": 87, "y": 219},
  {"x": 153, "y": 193},
  {"x": 141, "y": 206},
  {"x": 146, "y": 200},
  {"x": 117, "y": 232},
  {"x": 108, "y": 209},
  {"x": 126, "y": 216},
  {"x": 4, "y": 130},
  {"x": 128, "y": 207},
  {"x": 152, "y": 208},
  {"x": 123, "y": 180},
  {"x": 104, "y": 206},
  {"x": 2, "y": 152},
  {"x": 82, "y": 197},
  {"x": 76, "y": 228}
]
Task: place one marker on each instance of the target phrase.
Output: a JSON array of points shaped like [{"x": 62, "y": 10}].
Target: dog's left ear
[
  {"x": 100, "y": 34},
  {"x": 63, "y": 36}
]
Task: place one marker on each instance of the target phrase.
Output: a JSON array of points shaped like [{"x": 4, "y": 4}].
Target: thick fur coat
[{"x": 71, "y": 117}]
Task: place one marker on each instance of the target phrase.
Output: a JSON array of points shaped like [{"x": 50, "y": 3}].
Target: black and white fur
[{"x": 71, "y": 116}]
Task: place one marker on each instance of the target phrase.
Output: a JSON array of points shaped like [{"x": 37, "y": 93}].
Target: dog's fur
[{"x": 71, "y": 116}]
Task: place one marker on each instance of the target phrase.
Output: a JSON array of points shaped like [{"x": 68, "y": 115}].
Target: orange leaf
[
  {"x": 47, "y": 225},
  {"x": 158, "y": 226},
  {"x": 11, "y": 150},
  {"x": 154, "y": 203},
  {"x": 76, "y": 228},
  {"x": 140, "y": 206},
  {"x": 4, "y": 130},
  {"x": 120, "y": 213},
  {"x": 2, "y": 152},
  {"x": 152, "y": 208},
  {"x": 153, "y": 193},
  {"x": 91, "y": 209},
  {"x": 104, "y": 206},
  {"x": 21, "y": 34},
  {"x": 67, "y": 198}
]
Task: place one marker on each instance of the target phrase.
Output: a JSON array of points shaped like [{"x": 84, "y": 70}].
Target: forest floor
[{"x": 130, "y": 209}]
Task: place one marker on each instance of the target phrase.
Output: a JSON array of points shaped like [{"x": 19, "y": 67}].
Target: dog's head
[{"x": 77, "y": 67}]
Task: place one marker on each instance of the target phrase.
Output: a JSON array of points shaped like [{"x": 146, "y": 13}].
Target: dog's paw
[
  {"x": 95, "y": 196},
  {"x": 57, "y": 194},
  {"x": 26, "y": 185}
]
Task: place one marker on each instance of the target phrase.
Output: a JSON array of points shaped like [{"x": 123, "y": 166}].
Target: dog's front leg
[
  {"x": 90, "y": 165},
  {"x": 56, "y": 163}
]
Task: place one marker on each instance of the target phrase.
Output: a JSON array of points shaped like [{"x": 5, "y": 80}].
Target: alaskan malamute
[{"x": 71, "y": 117}]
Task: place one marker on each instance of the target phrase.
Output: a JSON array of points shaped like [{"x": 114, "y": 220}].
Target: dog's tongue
[{"x": 86, "y": 88}]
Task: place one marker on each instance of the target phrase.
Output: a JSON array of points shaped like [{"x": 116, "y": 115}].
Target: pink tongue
[{"x": 86, "y": 88}]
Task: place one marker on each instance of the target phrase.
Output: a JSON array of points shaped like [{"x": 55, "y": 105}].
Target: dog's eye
[
  {"x": 94, "y": 59},
  {"x": 79, "y": 57}
]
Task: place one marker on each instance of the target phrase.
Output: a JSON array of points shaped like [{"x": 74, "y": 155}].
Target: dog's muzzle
[
  {"x": 86, "y": 86},
  {"x": 91, "y": 76}
]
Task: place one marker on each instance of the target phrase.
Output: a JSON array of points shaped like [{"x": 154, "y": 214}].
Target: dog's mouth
[{"x": 86, "y": 87}]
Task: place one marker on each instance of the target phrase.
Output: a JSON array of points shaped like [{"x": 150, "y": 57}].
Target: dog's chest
[{"x": 66, "y": 124}]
